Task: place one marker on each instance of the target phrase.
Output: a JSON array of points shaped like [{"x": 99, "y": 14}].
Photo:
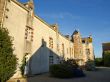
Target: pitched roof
[{"x": 75, "y": 32}]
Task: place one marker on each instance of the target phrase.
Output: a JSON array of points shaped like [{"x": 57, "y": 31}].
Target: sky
[{"x": 90, "y": 17}]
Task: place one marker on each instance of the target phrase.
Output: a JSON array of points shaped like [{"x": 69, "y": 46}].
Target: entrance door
[{"x": 51, "y": 58}]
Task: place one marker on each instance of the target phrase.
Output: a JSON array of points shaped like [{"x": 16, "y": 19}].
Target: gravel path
[{"x": 101, "y": 75}]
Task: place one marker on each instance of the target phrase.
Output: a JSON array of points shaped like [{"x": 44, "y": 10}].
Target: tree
[
  {"x": 8, "y": 60},
  {"x": 107, "y": 58}
]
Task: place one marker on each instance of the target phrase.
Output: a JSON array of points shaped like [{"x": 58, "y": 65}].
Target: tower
[{"x": 78, "y": 53}]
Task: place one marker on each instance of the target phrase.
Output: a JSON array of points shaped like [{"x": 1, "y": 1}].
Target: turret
[
  {"x": 78, "y": 52},
  {"x": 75, "y": 35}
]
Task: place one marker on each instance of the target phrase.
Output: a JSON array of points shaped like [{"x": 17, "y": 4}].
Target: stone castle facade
[{"x": 40, "y": 43}]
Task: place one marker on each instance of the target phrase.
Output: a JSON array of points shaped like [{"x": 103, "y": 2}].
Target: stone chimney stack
[
  {"x": 31, "y": 4},
  {"x": 31, "y": 0}
]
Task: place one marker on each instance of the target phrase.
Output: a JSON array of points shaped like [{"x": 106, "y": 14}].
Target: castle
[{"x": 40, "y": 43}]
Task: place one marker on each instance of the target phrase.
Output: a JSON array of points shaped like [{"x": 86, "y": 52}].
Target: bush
[
  {"x": 98, "y": 62},
  {"x": 107, "y": 58},
  {"x": 90, "y": 65},
  {"x": 67, "y": 69},
  {"x": 22, "y": 68},
  {"x": 8, "y": 60},
  {"x": 59, "y": 70},
  {"x": 71, "y": 63}
]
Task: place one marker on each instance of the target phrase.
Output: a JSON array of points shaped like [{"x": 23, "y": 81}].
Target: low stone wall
[{"x": 18, "y": 80}]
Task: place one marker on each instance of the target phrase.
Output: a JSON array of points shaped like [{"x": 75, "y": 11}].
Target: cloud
[
  {"x": 106, "y": 22},
  {"x": 61, "y": 15}
]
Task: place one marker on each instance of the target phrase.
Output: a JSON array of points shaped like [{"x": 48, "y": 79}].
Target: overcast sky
[{"x": 91, "y": 17}]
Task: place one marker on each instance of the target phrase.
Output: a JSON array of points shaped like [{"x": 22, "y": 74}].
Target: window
[
  {"x": 29, "y": 34},
  {"x": 50, "y": 59},
  {"x": 28, "y": 39},
  {"x": 51, "y": 42},
  {"x": 88, "y": 51},
  {"x": 83, "y": 41}
]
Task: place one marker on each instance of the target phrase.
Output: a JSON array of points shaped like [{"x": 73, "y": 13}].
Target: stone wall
[
  {"x": 15, "y": 22},
  {"x": 43, "y": 51},
  {"x": 38, "y": 58}
]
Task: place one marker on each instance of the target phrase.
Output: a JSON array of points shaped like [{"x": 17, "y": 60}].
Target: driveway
[{"x": 101, "y": 75}]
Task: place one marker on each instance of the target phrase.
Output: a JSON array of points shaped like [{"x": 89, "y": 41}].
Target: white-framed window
[
  {"x": 51, "y": 42},
  {"x": 29, "y": 34}
]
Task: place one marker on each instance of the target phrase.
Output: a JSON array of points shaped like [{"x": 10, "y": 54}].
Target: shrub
[
  {"x": 22, "y": 68},
  {"x": 90, "y": 65},
  {"x": 98, "y": 62},
  {"x": 59, "y": 70},
  {"x": 66, "y": 69},
  {"x": 71, "y": 62},
  {"x": 8, "y": 60}
]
